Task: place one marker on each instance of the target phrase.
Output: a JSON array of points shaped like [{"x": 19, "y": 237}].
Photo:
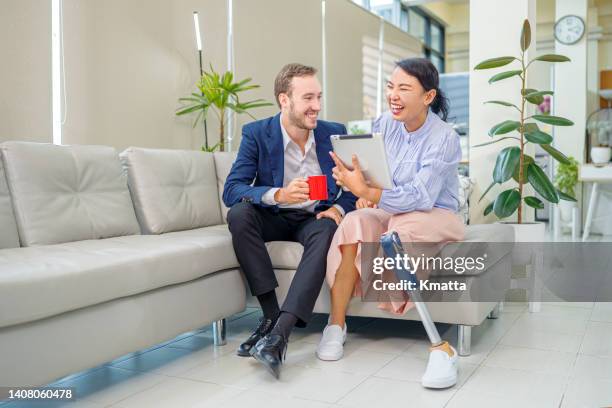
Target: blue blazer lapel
[
  {"x": 325, "y": 161},
  {"x": 274, "y": 143}
]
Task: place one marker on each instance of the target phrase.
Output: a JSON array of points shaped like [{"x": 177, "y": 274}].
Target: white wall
[
  {"x": 25, "y": 70},
  {"x": 128, "y": 62}
]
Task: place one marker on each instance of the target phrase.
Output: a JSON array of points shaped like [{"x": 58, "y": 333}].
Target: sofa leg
[
  {"x": 494, "y": 314},
  {"x": 219, "y": 333},
  {"x": 464, "y": 340}
]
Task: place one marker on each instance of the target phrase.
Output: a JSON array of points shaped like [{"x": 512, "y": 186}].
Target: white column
[
  {"x": 570, "y": 100},
  {"x": 495, "y": 30}
]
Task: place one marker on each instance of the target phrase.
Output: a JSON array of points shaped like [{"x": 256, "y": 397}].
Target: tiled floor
[{"x": 561, "y": 356}]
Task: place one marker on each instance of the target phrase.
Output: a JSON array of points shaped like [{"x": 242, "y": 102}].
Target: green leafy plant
[
  {"x": 566, "y": 177},
  {"x": 221, "y": 93},
  {"x": 512, "y": 161},
  {"x": 356, "y": 130}
]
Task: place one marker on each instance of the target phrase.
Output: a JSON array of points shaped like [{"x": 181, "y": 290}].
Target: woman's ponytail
[{"x": 440, "y": 104}]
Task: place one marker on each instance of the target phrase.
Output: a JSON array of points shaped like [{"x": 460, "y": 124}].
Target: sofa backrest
[
  {"x": 172, "y": 190},
  {"x": 67, "y": 193},
  {"x": 8, "y": 231},
  {"x": 223, "y": 164}
]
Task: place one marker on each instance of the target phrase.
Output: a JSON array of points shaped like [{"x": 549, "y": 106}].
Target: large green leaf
[
  {"x": 488, "y": 209},
  {"x": 556, "y": 154},
  {"x": 534, "y": 135},
  {"x": 506, "y": 126},
  {"x": 552, "y": 58},
  {"x": 527, "y": 91},
  {"x": 504, "y": 75},
  {"x": 553, "y": 120},
  {"x": 534, "y": 202},
  {"x": 504, "y": 103},
  {"x": 525, "y": 35},
  {"x": 486, "y": 191},
  {"x": 541, "y": 183},
  {"x": 506, "y": 203},
  {"x": 537, "y": 97},
  {"x": 526, "y": 161},
  {"x": 564, "y": 196},
  {"x": 506, "y": 162},
  {"x": 494, "y": 62},
  {"x": 497, "y": 140},
  {"x": 539, "y": 93}
]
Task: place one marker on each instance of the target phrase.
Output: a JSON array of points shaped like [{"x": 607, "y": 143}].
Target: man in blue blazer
[{"x": 268, "y": 193}]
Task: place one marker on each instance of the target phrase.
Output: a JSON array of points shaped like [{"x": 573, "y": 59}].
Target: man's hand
[
  {"x": 363, "y": 203},
  {"x": 296, "y": 192},
  {"x": 331, "y": 212}
]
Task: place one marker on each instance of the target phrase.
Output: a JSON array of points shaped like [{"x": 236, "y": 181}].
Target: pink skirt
[{"x": 368, "y": 224}]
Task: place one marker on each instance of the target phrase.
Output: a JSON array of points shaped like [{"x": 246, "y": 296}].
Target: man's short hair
[{"x": 282, "y": 83}]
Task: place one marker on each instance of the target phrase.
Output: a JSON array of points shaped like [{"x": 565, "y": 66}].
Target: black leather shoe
[
  {"x": 271, "y": 351},
  {"x": 265, "y": 326}
]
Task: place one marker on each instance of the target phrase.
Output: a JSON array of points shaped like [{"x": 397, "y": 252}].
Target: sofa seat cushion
[
  {"x": 38, "y": 282},
  {"x": 496, "y": 240}
]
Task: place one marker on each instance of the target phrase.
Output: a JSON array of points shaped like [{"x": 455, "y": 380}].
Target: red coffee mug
[{"x": 318, "y": 187}]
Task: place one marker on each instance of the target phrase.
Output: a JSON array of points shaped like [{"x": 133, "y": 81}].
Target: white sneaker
[
  {"x": 441, "y": 369},
  {"x": 331, "y": 346}
]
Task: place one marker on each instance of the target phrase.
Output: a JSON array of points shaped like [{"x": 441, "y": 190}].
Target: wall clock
[{"x": 569, "y": 29}]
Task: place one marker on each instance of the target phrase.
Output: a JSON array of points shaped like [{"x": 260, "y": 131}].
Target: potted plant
[
  {"x": 512, "y": 161},
  {"x": 566, "y": 179},
  {"x": 601, "y": 153},
  {"x": 219, "y": 92}
]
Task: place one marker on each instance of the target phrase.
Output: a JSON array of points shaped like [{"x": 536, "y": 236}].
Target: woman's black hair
[{"x": 427, "y": 74}]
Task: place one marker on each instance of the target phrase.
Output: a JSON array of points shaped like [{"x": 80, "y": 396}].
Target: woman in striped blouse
[{"x": 423, "y": 154}]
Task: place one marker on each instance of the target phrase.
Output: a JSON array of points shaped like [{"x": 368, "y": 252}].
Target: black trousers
[{"x": 252, "y": 226}]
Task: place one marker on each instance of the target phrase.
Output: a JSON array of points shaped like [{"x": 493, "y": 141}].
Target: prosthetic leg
[{"x": 442, "y": 367}]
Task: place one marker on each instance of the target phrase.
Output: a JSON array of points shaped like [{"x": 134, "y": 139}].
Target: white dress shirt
[{"x": 297, "y": 165}]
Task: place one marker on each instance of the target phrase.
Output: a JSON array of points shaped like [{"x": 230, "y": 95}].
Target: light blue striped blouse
[{"x": 423, "y": 165}]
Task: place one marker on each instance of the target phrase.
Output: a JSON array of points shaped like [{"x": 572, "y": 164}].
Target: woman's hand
[
  {"x": 351, "y": 179},
  {"x": 363, "y": 203}
]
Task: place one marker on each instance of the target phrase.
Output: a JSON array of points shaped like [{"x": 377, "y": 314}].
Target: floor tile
[
  {"x": 588, "y": 393},
  {"x": 471, "y": 398},
  {"x": 166, "y": 361},
  {"x": 254, "y": 399},
  {"x": 520, "y": 386},
  {"x": 598, "y": 339},
  {"x": 520, "y": 358},
  {"x": 541, "y": 339},
  {"x": 178, "y": 392},
  {"x": 54, "y": 404},
  {"x": 109, "y": 384},
  {"x": 410, "y": 368},
  {"x": 384, "y": 392},
  {"x": 359, "y": 361},
  {"x": 602, "y": 312},
  {"x": 227, "y": 370},
  {"x": 552, "y": 309},
  {"x": 592, "y": 367},
  {"x": 303, "y": 382},
  {"x": 551, "y": 323}
]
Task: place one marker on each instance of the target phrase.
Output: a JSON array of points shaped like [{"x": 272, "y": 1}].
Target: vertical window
[{"x": 431, "y": 34}]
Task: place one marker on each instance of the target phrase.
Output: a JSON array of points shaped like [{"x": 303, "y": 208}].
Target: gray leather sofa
[{"x": 91, "y": 269}]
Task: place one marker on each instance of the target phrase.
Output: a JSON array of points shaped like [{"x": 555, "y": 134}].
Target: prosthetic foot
[{"x": 441, "y": 369}]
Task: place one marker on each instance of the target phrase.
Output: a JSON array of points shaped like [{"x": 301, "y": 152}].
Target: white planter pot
[
  {"x": 526, "y": 232},
  {"x": 565, "y": 210},
  {"x": 600, "y": 155}
]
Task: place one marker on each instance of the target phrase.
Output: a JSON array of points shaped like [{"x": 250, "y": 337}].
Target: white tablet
[{"x": 370, "y": 151}]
